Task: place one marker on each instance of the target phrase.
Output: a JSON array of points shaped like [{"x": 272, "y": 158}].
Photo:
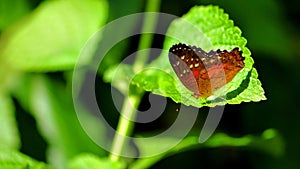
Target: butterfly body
[{"x": 204, "y": 72}]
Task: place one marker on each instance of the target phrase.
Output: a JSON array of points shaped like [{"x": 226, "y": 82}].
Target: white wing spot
[
  {"x": 197, "y": 64},
  {"x": 191, "y": 66}
]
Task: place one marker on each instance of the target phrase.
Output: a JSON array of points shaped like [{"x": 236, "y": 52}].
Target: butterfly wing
[
  {"x": 201, "y": 72},
  {"x": 180, "y": 57}
]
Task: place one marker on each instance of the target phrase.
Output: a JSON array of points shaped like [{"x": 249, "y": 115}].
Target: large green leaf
[
  {"x": 51, "y": 37},
  {"x": 269, "y": 142},
  {"x": 211, "y": 30},
  {"x": 11, "y": 159},
  {"x": 51, "y": 105}
]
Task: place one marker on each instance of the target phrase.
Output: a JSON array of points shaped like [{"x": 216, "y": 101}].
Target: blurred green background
[{"x": 271, "y": 28}]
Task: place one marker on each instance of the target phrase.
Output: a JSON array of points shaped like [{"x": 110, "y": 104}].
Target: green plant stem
[
  {"x": 128, "y": 112},
  {"x": 149, "y": 24},
  {"x": 125, "y": 126}
]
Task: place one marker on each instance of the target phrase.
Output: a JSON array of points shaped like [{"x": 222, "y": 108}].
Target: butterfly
[{"x": 204, "y": 72}]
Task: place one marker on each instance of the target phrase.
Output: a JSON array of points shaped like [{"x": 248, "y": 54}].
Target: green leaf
[
  {"x": 119, "y": 77},
  {"x": 9, "y": 136},
  {"x": 51, "y": 105},
  {"x": 51, "y": 37},
  {"x": 269, "y": 142},
  {"x": 11, "y": 159},
  {"x": 209, "y": 28},
  {"x": 11, "y": 11},
  {"x": 90, "y": 161}
]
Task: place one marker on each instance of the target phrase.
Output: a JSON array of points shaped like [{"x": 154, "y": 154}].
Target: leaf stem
[
  {"x": 128, "y": 112},
  {"x": 149, "y": 25}
]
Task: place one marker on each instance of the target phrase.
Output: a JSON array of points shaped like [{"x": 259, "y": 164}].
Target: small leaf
[
  {"x": 9, "y": 136},
  {"x": 119, "y": 77},
  {"x": 11, "y": 159},
  {"x": 51, "y": 37},
  {"x": 269, "y": 140},
  {"x": 90, "y": 161},
  {"x": 209, "y": 28}
]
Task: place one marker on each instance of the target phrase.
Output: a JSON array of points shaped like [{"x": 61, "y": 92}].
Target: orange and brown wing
[{"x": 202, "y": 72}]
